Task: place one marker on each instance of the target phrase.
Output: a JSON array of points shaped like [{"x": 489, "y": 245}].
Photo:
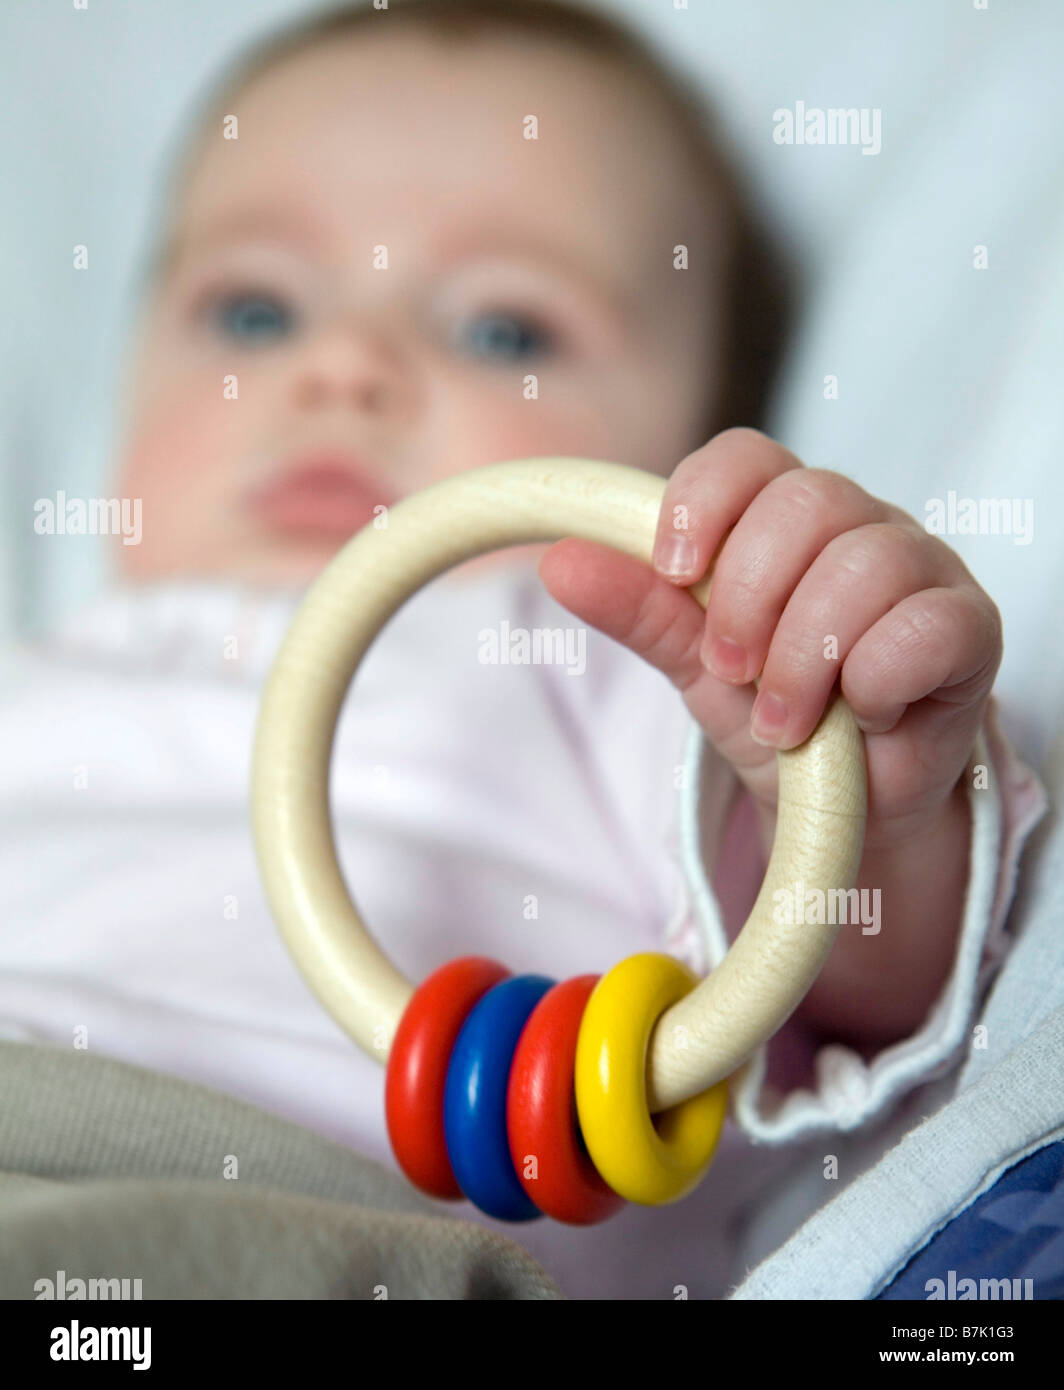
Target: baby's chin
[{"x": 290, "y": 564}]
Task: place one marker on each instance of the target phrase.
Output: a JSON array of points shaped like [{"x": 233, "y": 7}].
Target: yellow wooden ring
[{"x": 649, "y": 1162}]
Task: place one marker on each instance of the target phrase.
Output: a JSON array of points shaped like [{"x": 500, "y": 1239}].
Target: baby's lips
[{"x": 324, "y": 494}]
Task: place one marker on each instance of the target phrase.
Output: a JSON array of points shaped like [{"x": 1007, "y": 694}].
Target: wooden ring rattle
[{"x": 713, "y": 1029}]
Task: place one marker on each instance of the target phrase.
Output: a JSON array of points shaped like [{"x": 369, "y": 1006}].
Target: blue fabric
[{"x": 1015, "y": 1230}]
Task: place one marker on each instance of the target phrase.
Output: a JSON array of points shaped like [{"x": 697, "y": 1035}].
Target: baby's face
[{"x": 364, "y": 280}]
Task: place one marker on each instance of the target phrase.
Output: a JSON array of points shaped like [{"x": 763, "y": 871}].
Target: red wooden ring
[
  {"x": 417, "y": 1069},
  {"x": 541, "y": 1119}
]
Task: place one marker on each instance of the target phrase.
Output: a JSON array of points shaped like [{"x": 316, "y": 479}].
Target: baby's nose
[{"x": 360, "y": 365}]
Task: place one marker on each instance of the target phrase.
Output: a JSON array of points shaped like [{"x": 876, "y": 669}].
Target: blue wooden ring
[{"x": 474, "y": 1098}]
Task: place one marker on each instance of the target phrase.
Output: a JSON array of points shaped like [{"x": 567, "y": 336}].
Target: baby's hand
[{"x": 815, "y": 579}]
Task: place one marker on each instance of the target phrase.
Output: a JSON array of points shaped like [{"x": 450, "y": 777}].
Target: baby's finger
[
  {"x": 943, "y": 644},
  {"x": 855, "y": 580},
  {"x": 661, "y": 623},
  {"x": 771, "y": 547},
  {"x": 627, "y": 601},
  {"x": 707, "y": 493}
]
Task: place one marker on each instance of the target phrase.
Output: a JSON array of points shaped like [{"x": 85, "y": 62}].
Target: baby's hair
[{"x": 758, "y": 296}]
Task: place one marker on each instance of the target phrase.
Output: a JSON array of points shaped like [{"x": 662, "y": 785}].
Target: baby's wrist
[
  {"x": 901, "y": 835},
  {"x": 883, "y": 975}
]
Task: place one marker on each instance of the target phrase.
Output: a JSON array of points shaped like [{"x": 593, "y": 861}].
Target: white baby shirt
[{"x": 551, "y": 815}]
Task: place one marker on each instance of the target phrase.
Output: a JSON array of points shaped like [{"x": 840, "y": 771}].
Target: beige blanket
[{"x": 111, "y": 1172}]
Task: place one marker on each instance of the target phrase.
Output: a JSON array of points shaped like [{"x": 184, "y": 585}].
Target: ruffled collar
[
  {"x": 192, "y": 626},
  {"x": 232, "y": 631}
]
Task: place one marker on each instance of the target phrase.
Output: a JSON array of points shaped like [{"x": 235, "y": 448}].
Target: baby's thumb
[{"x": 624, "y": 598}]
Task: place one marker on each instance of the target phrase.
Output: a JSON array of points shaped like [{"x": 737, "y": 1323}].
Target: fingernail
[
  {"x": 674, "y": 555},
  {"x": 725, "y": 658},
  {"x": 768, "y": 719}
]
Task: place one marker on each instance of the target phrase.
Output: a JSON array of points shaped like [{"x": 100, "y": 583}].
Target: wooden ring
[
  {"x": 541, "y": 1116},
  {"x": 822, "y": 784},
  {"x": 474, "y": 1098},
  {"x": 416, "y": 1075},
  {"x": 643, "y": 1160}
]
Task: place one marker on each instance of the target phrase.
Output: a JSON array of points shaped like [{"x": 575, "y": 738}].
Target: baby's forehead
[
  {"x": 537, "y": 118},
  {"x": 384, "y": 125},
  {"x": 386, "y": 140}
]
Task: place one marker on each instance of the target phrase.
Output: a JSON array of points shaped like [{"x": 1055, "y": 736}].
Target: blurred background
[{"x": 948, "y": 374}]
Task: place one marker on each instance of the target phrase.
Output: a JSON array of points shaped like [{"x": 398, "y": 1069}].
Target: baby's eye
[
  {"x": 252, "y": 317},
  {"x": 510, "y": 336}
]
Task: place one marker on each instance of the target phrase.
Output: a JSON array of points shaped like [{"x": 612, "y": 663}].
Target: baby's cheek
[
  {"x": 178, "y": 462},
  {"x": 182, "y": 438}
]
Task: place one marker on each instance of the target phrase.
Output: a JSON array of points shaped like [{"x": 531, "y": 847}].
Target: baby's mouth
[{"x": 325, "y": 494}]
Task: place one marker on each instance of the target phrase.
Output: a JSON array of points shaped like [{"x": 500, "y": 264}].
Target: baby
[{"x": 362, "y": 197}]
